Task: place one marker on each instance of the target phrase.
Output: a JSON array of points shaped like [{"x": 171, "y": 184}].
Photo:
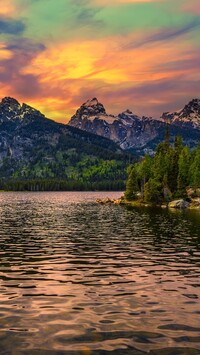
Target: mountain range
[
  {"x": 94, "y": 146},
  {"x": 35, "y": 147},
  {"x": 139, "y": 134}
]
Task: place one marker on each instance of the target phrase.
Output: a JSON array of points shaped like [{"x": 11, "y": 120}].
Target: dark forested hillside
[{"x": 37, "y": 153}]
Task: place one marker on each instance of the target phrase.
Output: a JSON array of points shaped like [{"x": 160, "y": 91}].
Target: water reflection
[{"x": 77, "y": 277}]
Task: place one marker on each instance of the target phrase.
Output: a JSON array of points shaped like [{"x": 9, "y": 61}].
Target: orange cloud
[
  {"x": 4, "y": 53},
  {"x": 77, "y": 61},
  {"x": 69, "y": 73},
  {"x": 68, "y": 69},
  {"x": 7, "y": 8}
]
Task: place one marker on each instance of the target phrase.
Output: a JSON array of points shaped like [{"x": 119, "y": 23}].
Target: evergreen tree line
[
  {"x": 165, "y": 176},
  {"x": 61, "y": 185}
]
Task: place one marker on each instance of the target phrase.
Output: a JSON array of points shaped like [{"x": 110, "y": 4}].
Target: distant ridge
[
  {"x": 35, "y": 147},
  {"x": 133, "y": 132},
  {"x": 22, "y": 127}
]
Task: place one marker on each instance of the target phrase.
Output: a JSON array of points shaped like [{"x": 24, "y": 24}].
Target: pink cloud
[{"x": 192, "y": 6}]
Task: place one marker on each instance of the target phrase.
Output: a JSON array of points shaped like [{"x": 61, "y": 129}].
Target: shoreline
[{"x": 180, "y": 204}]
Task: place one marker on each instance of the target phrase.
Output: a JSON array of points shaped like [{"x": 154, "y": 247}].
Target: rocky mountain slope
[
  {"x": 92, "y": 147},
  {"x": 138, "y": 133},
  {"x": 188, "y": 117},
  {"x": 33, "y": 146}
]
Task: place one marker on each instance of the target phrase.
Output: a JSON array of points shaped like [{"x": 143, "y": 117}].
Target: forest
[
  {"x": 56, "y": 184},
  {"x": 154, "y": 179},
  {"x": 165, "y": 176},
  {"x": 93, "y": 163}
]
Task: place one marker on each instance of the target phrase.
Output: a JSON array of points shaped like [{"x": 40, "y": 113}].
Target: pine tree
[
  {"x": 194, "y": 172},
  {"x": 172, "y": 169},
  {"x": 160, "y": 163},
  {"x": 153, "y": 191},
  {"x": 144, "y": 172},
  {"x": 178, "y": 144},
  {"x": 131, "y": 185},
  {"x": 184, "y": 165},
  {"x": 167, "y": 137}
]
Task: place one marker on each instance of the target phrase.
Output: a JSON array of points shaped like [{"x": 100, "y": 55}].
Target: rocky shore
[{"x": 192, "y": 203}]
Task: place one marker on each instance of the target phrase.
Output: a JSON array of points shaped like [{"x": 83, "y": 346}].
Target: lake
[{"x": 77, "y": 277}]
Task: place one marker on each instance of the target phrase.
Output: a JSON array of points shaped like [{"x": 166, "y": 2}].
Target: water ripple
[{"x": 82, "y": 278}]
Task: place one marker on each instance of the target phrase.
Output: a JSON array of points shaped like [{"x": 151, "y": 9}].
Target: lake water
[{"x": 81, "y": 278}]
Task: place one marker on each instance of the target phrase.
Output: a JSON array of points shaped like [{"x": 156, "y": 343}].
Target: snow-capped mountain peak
[
  {"x": 126, "y": 129},
  {"x": 130, "y": 130},
  {"x": 189, "y": 115},
  {"x": 10, "y": 109}
]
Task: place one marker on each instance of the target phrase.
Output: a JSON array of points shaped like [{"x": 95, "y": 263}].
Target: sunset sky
[{"x": 138, "y": 54}]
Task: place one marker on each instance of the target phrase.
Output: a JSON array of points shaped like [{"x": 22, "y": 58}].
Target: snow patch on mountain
[{"x": 189, "y": 115}]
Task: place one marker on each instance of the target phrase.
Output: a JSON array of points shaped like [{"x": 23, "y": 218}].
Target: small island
[{"x": 171, "y": 178}]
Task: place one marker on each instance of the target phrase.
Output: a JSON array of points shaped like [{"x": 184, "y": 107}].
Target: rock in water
[{"x": 180, "y": 204}]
